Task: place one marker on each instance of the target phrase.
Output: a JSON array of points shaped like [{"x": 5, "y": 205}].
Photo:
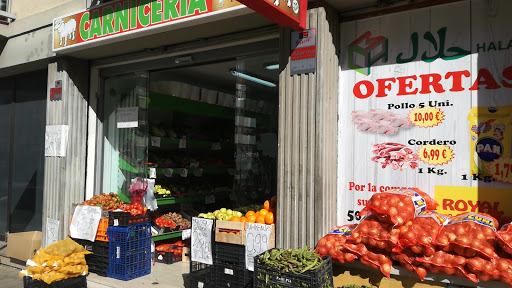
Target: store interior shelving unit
[{"x": 200, "y": 143}]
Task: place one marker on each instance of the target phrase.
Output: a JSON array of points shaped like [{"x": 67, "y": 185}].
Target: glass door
[
  {"x": 256, "y": 125},
  {"x": 6, "y": 104},
  {"x": 125, "y": 142}
]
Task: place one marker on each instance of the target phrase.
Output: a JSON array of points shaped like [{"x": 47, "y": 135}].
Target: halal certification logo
[{"x": 295, "y": 6}]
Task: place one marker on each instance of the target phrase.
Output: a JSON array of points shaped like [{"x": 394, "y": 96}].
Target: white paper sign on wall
[
  {"x": 201, "y": 250},
  {"x": 127, "y": 117},
  {"x": 56, "y": 140},
  {"x": 52, "y": 231}
]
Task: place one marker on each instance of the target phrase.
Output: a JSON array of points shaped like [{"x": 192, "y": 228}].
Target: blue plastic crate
[{"x": 129, "y": 251}]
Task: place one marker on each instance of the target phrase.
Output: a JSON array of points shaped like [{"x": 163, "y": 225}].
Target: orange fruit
[
  {"x": 266, "y": 205},
  {"x": 232, "y": 233},
  {"x": 251, "y": 219},
  {"x": 260, "y": 219},
  {"x": 269, "y": 218},
  {"x": 257, "y": 214},
  {"x": 234, "y": 218},
  {"x": 249, "y": 213},
  {"x": 243, "y": 219},
  {"x": 263, "y": 212}
]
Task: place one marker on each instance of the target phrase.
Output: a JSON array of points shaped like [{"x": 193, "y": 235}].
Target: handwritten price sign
[
  {"x": 426, "y": 117},
  {"x": 501, "y": 169},
  {"x": 435, "y": 154}
]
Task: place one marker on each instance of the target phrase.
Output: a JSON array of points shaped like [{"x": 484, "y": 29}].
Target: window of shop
[
  {"x": 22, "y": 120},
  {"x": 205, "y": 132}
]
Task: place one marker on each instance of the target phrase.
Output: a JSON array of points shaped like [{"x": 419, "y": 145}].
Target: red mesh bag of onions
[
  {"x": 504, "y": 268},
  {"x": 374, "y": 258},
  {"x": 484, "y": 269},
  {"x": 504, "y": 237},
  {"x": 469, "y": 234},
  {"x": 374, "y": 233},
  {"x": 399, "y": 206},
  {"x": 407, "y": 259},
  {"x": 447, "y": 263},
  {"x": 332, "y": 244},
  {"x": 419, "y": 233}
]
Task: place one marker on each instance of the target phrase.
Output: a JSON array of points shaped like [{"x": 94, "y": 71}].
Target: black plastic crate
[
  {"x": 265, "y": 276},
  {"x": 227, "y": 275},
  {"x": 76, "y": 282},
  {"x": 230, "y": 254},
  {"x": 168, "y": 257},
  {"x": 88, "y": 245},
  {"x": 96, "y": 247},
  {"x": 124, "y": 219},
  {"x": 100, "y": 248},
  {"x": 204, "y": 278}
]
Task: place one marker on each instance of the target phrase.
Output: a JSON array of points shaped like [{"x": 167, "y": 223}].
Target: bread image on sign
[{"x": 66, "y": 30}]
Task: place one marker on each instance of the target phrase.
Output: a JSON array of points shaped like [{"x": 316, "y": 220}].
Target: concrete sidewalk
[{"x": 162, "y": 275}]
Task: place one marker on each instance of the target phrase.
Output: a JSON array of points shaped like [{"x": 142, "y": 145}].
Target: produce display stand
[{"x": 359, "y": 274}]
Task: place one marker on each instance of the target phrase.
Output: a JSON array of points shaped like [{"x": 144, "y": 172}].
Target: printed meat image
[
  {"x": 380, "y": 121},
  {"x": 396, "y": 155}
]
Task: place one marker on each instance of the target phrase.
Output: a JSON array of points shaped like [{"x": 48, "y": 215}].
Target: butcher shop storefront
[{"x": 425, "y": 115}]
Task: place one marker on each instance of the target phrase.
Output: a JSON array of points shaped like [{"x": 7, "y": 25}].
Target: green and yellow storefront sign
[{"x": 128, "y": 16}]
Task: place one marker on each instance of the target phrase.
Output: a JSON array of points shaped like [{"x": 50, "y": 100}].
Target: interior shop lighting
[
  {"x": 253, "y": 79},
  {"x": 272, "y": 67}
]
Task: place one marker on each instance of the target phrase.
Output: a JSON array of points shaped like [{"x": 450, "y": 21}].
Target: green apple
[
  {"x": 202, "y": 215},
  {"x": 226, "y": 217},
  {"x": 239, "y": 214},
  {"x": 219, "y": 215},
  {"x": 229, "y": 212},
  {"x": 223, "y": 210}
]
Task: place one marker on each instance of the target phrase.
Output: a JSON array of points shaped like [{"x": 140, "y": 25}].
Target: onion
[{"x": 386, "y": 269}]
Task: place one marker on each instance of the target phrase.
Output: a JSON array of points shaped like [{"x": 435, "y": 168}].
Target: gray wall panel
[{"x": 65, "y": 176}]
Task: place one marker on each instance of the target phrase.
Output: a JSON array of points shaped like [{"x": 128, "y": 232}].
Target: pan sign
[
  {"x": 125, "y": 17},
  {"x": 285, "y": 13}
]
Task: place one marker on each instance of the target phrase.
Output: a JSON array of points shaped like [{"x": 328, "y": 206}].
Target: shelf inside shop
[
  {"x": 165, "y": 236},
  {"x": 187, "y": 199},
  {"x": 167, "y": 142},
  {"x": 124, "y": 165},
  {"x": 206, "y": 171},
  {"x": 159, "y": 100},
  {"x": 443, "y": 278}
]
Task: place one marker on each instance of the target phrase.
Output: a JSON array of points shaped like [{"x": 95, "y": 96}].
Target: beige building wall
[{"x": 26, "y": 8}]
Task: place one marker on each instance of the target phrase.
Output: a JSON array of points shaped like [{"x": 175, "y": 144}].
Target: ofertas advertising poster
[{"x": 426, "y": 102}]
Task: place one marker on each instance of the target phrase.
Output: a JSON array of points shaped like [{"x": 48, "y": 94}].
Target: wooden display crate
[{"x": 236, "y": 233}]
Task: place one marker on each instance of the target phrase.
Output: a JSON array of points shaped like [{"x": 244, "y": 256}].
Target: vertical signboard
[
  {"x": 425, "y": 103},
  {"x": 303, "y": 58}
]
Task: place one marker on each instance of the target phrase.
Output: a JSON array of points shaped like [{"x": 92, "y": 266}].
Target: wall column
[
  {"x": 308, "y": 138},
  {"x": 64, "y": 177}
]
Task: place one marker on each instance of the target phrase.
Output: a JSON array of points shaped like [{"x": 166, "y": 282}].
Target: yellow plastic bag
[
  {"x": 490, "y": 136},
  {"x": 65, "y": 248},
  {"x": 61, "y": 260}
]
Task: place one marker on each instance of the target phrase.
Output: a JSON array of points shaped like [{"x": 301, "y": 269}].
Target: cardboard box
[
  {"x": 234, "y": 233},
  {"x": 186, "y": 255},
  {"x": 24, "y": 245}
]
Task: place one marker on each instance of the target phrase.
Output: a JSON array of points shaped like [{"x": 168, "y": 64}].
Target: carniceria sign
[{"x": 123, "y": 17}]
